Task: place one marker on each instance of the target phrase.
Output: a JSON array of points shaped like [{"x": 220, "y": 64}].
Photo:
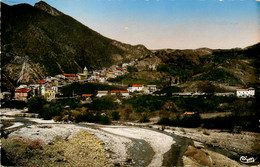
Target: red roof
[
  {"x": 245, "y": 88},
  {"x": 103, "y": 75},
  {"x": 86, "y": 95},
  {"x": 23, "y": 90},
  {"x": 241, "y": 89},
  {"x": 119, "y": 91},
  {"x": 189, "y": 113},
  {"x": 41, "y": 82},
  {"x": 121, "y": 69},
  {"x": 111, "y": 70},
  {"x": 102, "y": 91},
  {"x": 69, "y": 75},
  {"x": 137, "y": 85}
]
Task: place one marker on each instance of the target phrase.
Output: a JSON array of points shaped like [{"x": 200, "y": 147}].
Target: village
[{"x": 50, "y": 87}]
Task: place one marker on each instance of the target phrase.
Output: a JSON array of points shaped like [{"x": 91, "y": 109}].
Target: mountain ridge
[
  {"x": 56, "y": 43},
  {"x": 49, "y": 42}
]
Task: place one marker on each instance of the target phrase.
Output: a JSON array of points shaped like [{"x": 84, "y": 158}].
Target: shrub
[
  {"x": 105, "y": 120},
  {"x": 104, "y": 103},
  {"x": 115, "y": 115},
  {"x": 51, "y": 110},
  {"x": 35, "y": 105},
  {"x": 144, "y": 119},
  {"x": 131, "y": 69}
]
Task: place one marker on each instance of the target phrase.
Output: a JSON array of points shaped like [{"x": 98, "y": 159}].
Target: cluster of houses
[
  {"x": 134, "y": 88},
  {"x": 50, "y": 87}
]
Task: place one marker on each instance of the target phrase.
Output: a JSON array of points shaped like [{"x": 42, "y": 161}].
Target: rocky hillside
[
  {"x": 228, "y": 68},
  {"x": 48, "y": 42}
]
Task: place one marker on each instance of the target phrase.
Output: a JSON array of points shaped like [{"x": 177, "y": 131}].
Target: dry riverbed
[
  {"x": 57, "y": 144},
  {"x": 115, "y": 141}
]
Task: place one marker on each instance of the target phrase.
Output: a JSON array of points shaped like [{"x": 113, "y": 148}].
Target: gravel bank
[
  {"x": 244, "y": 143},
  {"x": 160, "y": 143}
]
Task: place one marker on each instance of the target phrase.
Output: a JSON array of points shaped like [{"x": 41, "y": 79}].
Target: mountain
[
  {"x": 227, "y": 68},
  {"x": 39, "y": 41}
]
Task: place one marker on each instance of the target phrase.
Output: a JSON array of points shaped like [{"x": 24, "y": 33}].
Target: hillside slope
[{"x": 228, "y": 68}]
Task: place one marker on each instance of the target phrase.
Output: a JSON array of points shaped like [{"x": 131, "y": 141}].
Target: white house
[
  {"x": 102, "y": 93},
  {"x": 102, "y": 78},
  {"x": 136, "y": 87},
  {"x": 152, "y": 88},
  {"x": 42, "y": 90},
  {"x": 249, "y": 92},
  {"x": 124, "y": 93}
]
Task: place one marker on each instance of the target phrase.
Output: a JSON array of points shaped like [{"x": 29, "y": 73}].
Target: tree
[
  {"x": 35, "y": 105},
  {"x": 207, "y": 87},
  {"x": 131, "y": 69}
]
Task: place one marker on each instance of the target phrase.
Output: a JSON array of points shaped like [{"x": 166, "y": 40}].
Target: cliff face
[
  {"x": 55, "y": 43},
  {"x": 47, "y": 8}
]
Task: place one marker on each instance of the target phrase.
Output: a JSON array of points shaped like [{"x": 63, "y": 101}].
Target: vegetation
[
  {"x": 148, "y": 103},
  {"x": 207, "y": 87},
  {"x": 220, "y": 76},
  {"x": 115, "y": 115},
  {"x": 35, "y": 105},
  {"x": 190, "y": 121},
  {"x": 27, "y": 152},
  {"x": 13, "y": 104},
  {"x": 174, "y": 70},
  {"x": 244, "y": 115},
  {"x": 131, "y": 69},
  {"x": 169, "y": 90}
]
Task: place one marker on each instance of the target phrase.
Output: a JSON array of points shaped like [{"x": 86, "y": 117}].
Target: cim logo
[{"x": 246, "y": 160}]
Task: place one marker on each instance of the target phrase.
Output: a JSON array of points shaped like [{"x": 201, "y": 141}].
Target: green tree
[
  {"x": 131, "y": 69},
  {"x": 35, "y": 105},
  {"x": 207, "y": 87},
  {"x": 115, "y": 115}
]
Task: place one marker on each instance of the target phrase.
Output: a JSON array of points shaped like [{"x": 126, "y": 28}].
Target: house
[
  {"x": 43, "y": 87},
  {"x": 87, "y": 97},
  {"x": 71, "y": 77},
  {"x": 119, "y": 71},
  {"x": 102, "y": 93},
  {"x": 22, "y": 94},
  {"x": 60, "y": 76},
  {"x": 41, "y": 82},
  {"x": 124, "y": 93},
  {"x": 111, "y": 74},
  {"x": 49, "y": 94},
  {"x": 249, "y": 92},
  {"x": 35, "y": 89},
  {"x": 189, "y": 113},
  {"x": 5, "y": 96},
  {"x": 152, "y": 88},
  {"x": 57, "y": 82},
  {"x": 125, "y": 65},
  {"x": 55, "y": 88},
  {"x": 84, "y": 75},
  {"x": 136, "y": 87},
  {"x": 102, "y": 78}
]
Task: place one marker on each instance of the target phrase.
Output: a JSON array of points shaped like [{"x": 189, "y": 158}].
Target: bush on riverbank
[
  {"x": 78, "y": 151},
  {"x": 13, "y": 104},
  {"x": 234, "y": 123}
]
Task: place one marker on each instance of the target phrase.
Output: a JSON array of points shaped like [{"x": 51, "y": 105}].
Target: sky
[{"x": 160, "y": 24}]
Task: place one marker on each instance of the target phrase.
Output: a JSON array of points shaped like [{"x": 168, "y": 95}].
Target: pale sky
[{"x": 177, "y": 24}]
